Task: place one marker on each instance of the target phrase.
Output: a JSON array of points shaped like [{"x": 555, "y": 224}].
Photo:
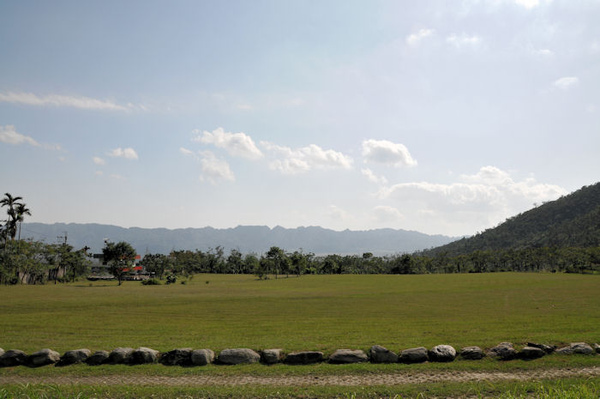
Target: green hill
[{"x": 572, "y": 221}]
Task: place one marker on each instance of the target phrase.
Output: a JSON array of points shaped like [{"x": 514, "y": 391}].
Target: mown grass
[
  {"x": 306, "y": 313},
  {"x": 564, "y": 389}
]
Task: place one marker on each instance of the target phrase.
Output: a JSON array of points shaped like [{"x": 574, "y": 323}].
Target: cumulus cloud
[
  {"x": 414, "y": 39},
  {"x": 566, "y": 83},
  {"x": 368, "y": 173},
  {"x": 127, "y": 153},
  {"x": 236, "y": 144},
  {"x": 98, "y": 161},
  {"x": 214, "y": 169},
  {"x": 56, "y": 100},
  {"x": 484, "y": 198},
  {"x": 387, "y": 152},
  {"x": 299, "y": 160},
  {"x": 463, "y": 40}
]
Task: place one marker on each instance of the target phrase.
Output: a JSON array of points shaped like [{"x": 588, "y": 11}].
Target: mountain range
[{"x": 246, "y": 239}]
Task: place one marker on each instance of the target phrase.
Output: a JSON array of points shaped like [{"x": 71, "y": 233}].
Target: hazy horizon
[{"x": 435, "y": 117}]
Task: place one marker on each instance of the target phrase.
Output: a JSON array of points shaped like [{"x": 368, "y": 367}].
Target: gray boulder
[
  {"x": 74, "y": 357},
  {"x": 120, "y": 356},
  {"x": 12, "y": 358},
  {"x": 98, "y": 358},
  {"x": 304, "y": 357},
  {"x": 345, "y": 356},
  {"x": 238, "y": 356},
  {"x": 379, "y": 354},
  {"x": 271, "y": 356},
  {"x": 1, "y": 351},
  {"x": 42, "y": 358},
  {"x": 472, "y": 353},
  {"x": 531, "y": 352},
  {"x": 546, "y": 348},
  {"x": 143, "y": 356},
  {"x": 503, "y": 351},
  {"x": 202, "y": 357},
  {"x": 442, "y": 353},
  {"x": 580, "y": 348},
  {"x": 177, "y": 357},
  {"x": 596, "y": 348},
  {"x": 414, "y": 355}
]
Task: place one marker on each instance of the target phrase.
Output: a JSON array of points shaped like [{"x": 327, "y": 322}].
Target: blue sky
[{"x": 441, "y": 117}]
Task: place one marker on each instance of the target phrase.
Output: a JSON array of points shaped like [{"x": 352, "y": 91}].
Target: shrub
[{"x": 151, "y": 281}]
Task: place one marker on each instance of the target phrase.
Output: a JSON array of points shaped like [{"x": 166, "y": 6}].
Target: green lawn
[{"x": 306, "y": 313}]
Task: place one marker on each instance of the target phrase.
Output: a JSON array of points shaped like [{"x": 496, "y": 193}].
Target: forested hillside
[{"x": 571, "y": 221}]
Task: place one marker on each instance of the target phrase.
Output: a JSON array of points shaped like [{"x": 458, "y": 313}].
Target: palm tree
[
  {"x": 21, "y": 211},
  {"x": 11, "y": 223}
]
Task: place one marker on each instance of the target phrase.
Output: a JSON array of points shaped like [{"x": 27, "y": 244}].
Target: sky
[{"x": 444, "y": 117}]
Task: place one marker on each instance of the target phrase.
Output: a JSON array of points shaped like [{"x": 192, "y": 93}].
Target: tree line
[
  {"x": 33, "y": 262},
  {"x": 277, "y": 262}
]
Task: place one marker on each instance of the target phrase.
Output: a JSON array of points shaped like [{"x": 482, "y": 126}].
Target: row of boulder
[{"x": 201, "y": 357}]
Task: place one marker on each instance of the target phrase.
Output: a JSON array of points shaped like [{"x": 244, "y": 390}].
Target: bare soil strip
[{"x": 339, "y": 380}]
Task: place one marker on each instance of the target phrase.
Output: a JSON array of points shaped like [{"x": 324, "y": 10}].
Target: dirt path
[{"x": 340, "y": 380}]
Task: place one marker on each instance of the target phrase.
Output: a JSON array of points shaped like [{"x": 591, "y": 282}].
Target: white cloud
[
  {"x": 528, "y": 3},
  {"x": 9, "y": 135},
  {"x": 482, "y": 199},
  {"x": 214, "y": 169},
  {"x": 566, "y": 83},
  {"x": 387, "y": 214},
  {"x": 338, "y": 214},
  {"x": 186, "y": 152},
  {"x": 236, "y": 144},
  {"x": 299, "y": 160},
  {"x": 414, "y": 39},
  {"x": 127, "y": 153},
  {"x": 464, "y": 40},
  {"x": 99, "y": 161},
  {"x": 56, "y": 100},
  {"x": 368, "y": 173},
  {"x": 544, "y": 52},
  {"x": 387, "y": 152}
]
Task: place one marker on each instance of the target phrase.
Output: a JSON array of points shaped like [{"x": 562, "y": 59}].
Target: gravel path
[{"x": 340, "y": 380}]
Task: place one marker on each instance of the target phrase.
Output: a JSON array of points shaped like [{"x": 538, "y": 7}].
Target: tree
[
  {"x": 119, "y": 257},
  {"x": 279, "y": 261},
  {"x": 157, "y": 264},
  {"x": 72, "y": 263},
  {"x": 12, "y": 204},
  {"x": 21, "y": 211},
  {"x": 299, "y": 262}
]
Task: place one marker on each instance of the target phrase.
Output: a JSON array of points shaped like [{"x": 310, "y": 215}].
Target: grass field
[{"x": 306, "y": 313}]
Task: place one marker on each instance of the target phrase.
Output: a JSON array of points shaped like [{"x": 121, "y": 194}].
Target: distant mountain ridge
[
  {"x": 246, "y": 239},
  {"x": 570, "y": 221}
]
